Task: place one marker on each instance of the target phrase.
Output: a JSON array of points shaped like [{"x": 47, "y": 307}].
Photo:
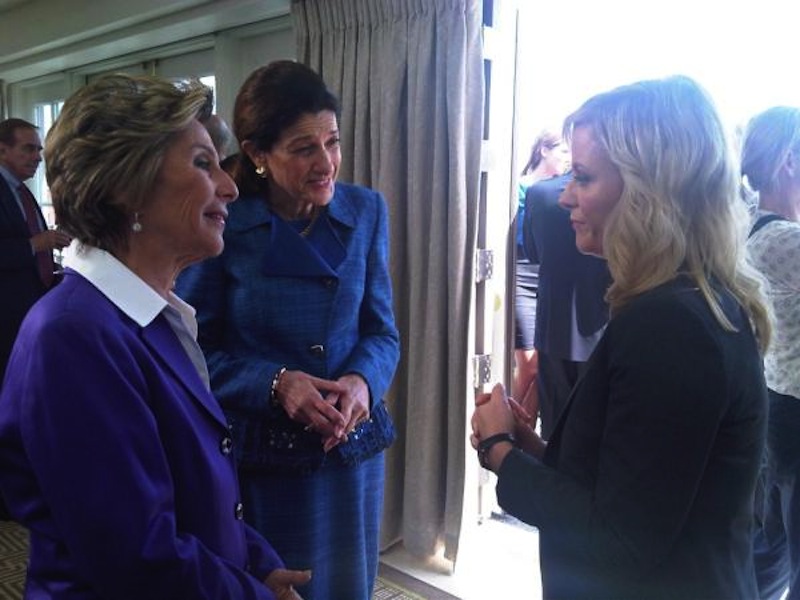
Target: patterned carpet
[
  {"x": 14, "y": 552},
  {"x": 386, "y": 590}
]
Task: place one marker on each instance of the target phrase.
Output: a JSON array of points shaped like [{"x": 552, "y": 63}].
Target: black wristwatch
[{"x": 484, "y": 446}]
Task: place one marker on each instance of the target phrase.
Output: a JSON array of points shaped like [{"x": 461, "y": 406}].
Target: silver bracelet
[{"x": 273, "y": 390}]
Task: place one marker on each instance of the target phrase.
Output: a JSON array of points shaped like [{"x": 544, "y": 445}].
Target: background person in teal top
[{"x": 549, "y": 157}]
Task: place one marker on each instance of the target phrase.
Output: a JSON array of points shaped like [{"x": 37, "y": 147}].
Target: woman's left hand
[{"x": 353, "y": 405}]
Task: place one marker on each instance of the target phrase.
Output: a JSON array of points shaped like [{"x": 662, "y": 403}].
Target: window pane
[{"x": 45, "y": 115}]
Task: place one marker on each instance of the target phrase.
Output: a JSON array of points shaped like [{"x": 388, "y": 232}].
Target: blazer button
[
  {"x": 330, "y": 282},
  {"x": 238, "y": 511},
  {"x": 317, "y": 350},
  {"x": 226, "y": 445}
]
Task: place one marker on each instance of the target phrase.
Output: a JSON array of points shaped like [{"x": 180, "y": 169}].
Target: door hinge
[
  {"x": 484, "y": 264},
  {"x": 481, "y": 369}
]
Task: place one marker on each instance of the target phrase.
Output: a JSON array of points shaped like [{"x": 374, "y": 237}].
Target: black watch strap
[{"x": 484, "y": 446}]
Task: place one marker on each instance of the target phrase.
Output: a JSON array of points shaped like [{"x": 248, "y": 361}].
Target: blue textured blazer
[
  {"x": 270, "y": 300},
  {"x": 117, "y": 459}
]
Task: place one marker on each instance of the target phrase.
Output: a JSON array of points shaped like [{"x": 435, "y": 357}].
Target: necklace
[{"x": 307, "y": 229}]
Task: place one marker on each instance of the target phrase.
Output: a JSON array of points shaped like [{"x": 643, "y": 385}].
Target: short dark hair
[
  {"x": 272, "y": 99},
  {"x": 8, "y": 129}
]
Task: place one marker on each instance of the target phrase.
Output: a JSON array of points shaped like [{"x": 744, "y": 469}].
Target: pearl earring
[
  {"x": 136, "y": 227},
  {"x": 261, "y": 171}
]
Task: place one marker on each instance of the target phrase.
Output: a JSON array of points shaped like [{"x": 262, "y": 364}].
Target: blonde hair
[
  {"x": 680, "y": 209},
  {"x": 105, "y": 150},
  {"x": 768, "y": 139}
]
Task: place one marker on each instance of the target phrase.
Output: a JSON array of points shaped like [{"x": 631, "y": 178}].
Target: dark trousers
[
  {"x": 777, "y": 539},
  {"x": 556, "y": 379}
]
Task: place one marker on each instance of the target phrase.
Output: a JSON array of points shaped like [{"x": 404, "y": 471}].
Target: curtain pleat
[{"x": 409, "y": 77}]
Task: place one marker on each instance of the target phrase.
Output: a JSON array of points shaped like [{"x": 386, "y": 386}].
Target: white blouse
[{"x": 775, "y": 251}]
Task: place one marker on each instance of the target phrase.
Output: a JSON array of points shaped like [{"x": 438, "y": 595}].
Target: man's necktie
[{"x": 44, "y": 259}]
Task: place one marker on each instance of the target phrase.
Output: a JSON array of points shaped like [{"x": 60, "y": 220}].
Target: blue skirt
[
  {"x": 525, "y": 298},
  {"x": 327, "y": 521}
]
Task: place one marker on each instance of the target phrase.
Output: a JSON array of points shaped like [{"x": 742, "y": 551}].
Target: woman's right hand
[
  {"x": 301, "y": 396},
  {"x": 282, "y": 582}
]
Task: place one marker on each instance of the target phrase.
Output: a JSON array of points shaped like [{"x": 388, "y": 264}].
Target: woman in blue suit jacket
[
  {"x": 114, "y": 454},
  {"x": 645, "y": 488},
  {"x": 296, "y": 323}
]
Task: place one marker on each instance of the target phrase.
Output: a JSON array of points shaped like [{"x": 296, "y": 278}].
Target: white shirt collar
[{"x": 126, "y": 290}]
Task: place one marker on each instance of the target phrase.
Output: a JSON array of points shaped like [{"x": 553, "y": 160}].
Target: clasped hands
[
  {"x": 331, "y": 408},
  {"x": 497, "y": 413}
]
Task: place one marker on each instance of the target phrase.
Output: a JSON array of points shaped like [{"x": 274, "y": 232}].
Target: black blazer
[
  {"x": 18, "y": 271},
  {"x": 563, "y": 272},
  {"x": 646, "y": 488}
]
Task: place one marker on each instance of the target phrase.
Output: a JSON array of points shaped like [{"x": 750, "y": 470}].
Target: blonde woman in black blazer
[{"x": 645, "y": 489}]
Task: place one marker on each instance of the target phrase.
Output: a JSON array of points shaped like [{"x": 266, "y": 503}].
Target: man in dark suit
[
  {"x": 26, "y": 245},
  {"x": 571, "y": 311}
]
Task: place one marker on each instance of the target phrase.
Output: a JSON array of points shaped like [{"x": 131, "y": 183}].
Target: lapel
[
  {"x": 160, "y": 338},
  {"x": 288, "y": 254},
  {"x": 554, "y": 443}
]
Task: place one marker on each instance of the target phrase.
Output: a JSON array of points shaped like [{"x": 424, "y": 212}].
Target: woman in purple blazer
[
  {"x": 645, "y": 488},
  {"x": 114, "y": 454},
  {"x": 296, "y": 322}
]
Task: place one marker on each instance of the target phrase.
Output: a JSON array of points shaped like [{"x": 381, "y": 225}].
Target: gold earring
[{"x": 261, "y": 171}]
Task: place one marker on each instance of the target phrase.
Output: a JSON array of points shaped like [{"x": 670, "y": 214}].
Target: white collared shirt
[{"x": 128, "y": 292}]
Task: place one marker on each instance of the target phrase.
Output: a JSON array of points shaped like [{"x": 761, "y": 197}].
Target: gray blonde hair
[
  {"x": 768, "y": 139},
  {"x": 680, "y": 209},
  {"x": 105, "y": 150}
]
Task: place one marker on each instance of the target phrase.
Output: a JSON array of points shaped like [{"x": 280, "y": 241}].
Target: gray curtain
[{"x": 409, "y": 74}]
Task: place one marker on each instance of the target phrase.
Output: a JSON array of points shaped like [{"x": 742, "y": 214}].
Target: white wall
[
  {"x": 68, "y": 41},
  {"x": 63, "y": 34}
]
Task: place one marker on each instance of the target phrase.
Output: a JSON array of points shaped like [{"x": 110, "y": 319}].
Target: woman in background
[
  {"x": 549, "y": 158},
  {"x": 114, "y": 454},
  {"x": 645, "y": 489},
  {"x": 296, "y": 322},
  {"x": 771, "y": 164}
]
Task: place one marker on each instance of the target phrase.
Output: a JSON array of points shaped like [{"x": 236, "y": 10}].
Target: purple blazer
[{"x": 118, "y": 460}]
